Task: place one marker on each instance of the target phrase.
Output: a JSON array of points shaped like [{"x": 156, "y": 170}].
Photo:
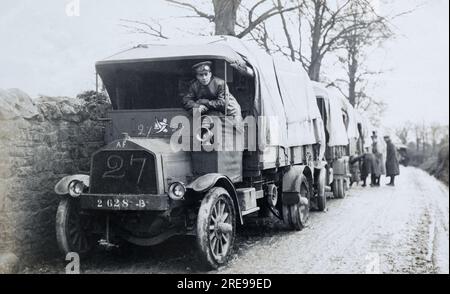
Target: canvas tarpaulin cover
[
  {"x": 352, "y": 123},
  {"x": 285, "y": 97},
  {"x": 335, "y": 125}
]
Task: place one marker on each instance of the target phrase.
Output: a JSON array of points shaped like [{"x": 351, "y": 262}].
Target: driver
[{"x": 207, "y": 93}]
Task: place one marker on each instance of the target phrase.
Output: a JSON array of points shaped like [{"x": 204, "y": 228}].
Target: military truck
[
  {"x": 345, "y": 134},
  {"x": 143, "y": 189}
]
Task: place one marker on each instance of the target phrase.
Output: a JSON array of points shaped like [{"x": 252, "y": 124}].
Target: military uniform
[
  {"x": 376, "y": 168},
  {"x": 215, "y": 92},
  {"x": 368, "y": 163},
  {"x": 392, "y": 167}
]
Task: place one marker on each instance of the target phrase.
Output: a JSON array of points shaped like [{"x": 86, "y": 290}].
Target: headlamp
[
  {"x": 76, "y": 188},
  {"x": 177, "y": 191}
]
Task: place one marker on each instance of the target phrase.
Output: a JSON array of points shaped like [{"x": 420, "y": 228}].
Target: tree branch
[
  {"x": 263, "y": 17},
  {"x": 193, "y": 8},
  {"x": 149, "y": 28}
]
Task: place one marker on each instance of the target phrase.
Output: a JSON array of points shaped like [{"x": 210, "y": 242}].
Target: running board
[{"x": 252, "y": 210}]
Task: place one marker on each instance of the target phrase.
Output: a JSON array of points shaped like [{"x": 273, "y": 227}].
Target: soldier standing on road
[
  {"x": 392, "y": 168},
  {"x": 367, "y": 161},
  {"x": 376, "y": 167}
]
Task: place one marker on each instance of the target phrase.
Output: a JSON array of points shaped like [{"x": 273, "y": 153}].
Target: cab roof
[{"x": 160, "y": 52}]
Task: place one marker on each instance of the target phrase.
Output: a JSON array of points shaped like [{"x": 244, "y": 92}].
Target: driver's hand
[
  {"x": 203, "y": 101},
  {"x": 202, "y": 109}
]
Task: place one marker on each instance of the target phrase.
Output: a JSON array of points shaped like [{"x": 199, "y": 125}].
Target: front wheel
[
  {"x": 73, "y": 232},
  {"x": 216, "y": 227}
]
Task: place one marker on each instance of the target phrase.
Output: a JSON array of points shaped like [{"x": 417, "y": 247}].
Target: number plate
[{"x": 128, "y": 202}]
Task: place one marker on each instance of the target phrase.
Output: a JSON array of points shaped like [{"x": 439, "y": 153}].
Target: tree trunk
[
  {"x": 286, "y": 32},
  {"x": 225, "y": 16},
  {"x": 314, "y": 69},
  {"x": 352, "y": 69},
  {"x": 316, "y": 34}
]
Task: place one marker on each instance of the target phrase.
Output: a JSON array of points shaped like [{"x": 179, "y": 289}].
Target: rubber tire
[
  {"x": 291, "y": 213},
  {"x": 321, "y": 196},
  {"x": 68, "y": 209},
  {"x": 203, "y": 219},
  {"x": 339, "y": 189}
]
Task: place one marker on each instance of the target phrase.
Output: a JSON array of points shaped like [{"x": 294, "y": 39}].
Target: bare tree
[
  {"x": 325, "y": 31},
  {"x": 368, "y": 30},
  {"x": 437, "y": 132},
  {"x": 402, "y": 132},
  {"x": 224, "y": 15},
  {"x": 328, "y": 24},
  {"x": 422, "y": 136},
  {"x": 153, "y": 28},
  {"x": 261, "y": 11},
  {"x": 417, "y": 133}
]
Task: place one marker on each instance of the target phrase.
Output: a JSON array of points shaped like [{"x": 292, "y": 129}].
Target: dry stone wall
[{"x": 41, "y": 141}]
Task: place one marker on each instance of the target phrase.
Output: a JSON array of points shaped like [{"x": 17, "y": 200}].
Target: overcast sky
[{"x": 44, "y": 50}]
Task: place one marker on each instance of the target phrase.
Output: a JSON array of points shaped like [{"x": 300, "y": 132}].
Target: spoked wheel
[
  {"x": 297, "y": 215},
  {"x": 216, "y": 227},
  {"x": 72, "y": 228},
  {"x": 321, "y": 197}
]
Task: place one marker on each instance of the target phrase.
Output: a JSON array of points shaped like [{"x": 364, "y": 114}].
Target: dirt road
[{"x": 402, "y": 229}]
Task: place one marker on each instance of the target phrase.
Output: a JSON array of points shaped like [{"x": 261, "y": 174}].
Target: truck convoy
[{"x": 157, "y": 176}]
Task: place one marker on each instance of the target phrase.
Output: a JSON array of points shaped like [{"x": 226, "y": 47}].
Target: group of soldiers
[{"x": 371, "y": 163}]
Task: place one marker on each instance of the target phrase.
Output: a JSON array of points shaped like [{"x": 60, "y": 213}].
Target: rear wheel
[
  {"x": 321, "y": 197},
  {"x": 73, "y": 229},
  {"x": 339, "y": 190},
  {"x": 216, "y": 227},
  {"x": 297, "y": 215}
]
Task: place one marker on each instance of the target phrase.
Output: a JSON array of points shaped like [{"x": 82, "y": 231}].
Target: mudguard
[
  {"x": 292, "y": 181},
  {"x": 320, "y": 180},
  {"x": 206, "y": 182},
  {"x": 62, "y": 187}
]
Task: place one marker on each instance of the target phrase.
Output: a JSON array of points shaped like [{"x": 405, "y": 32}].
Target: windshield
[
  {"x": 163, "y": 84},
  {"x": 147, "y": 85}
]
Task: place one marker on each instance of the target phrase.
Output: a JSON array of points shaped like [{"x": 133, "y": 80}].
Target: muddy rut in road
[{"x": 402, "y": 229}]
